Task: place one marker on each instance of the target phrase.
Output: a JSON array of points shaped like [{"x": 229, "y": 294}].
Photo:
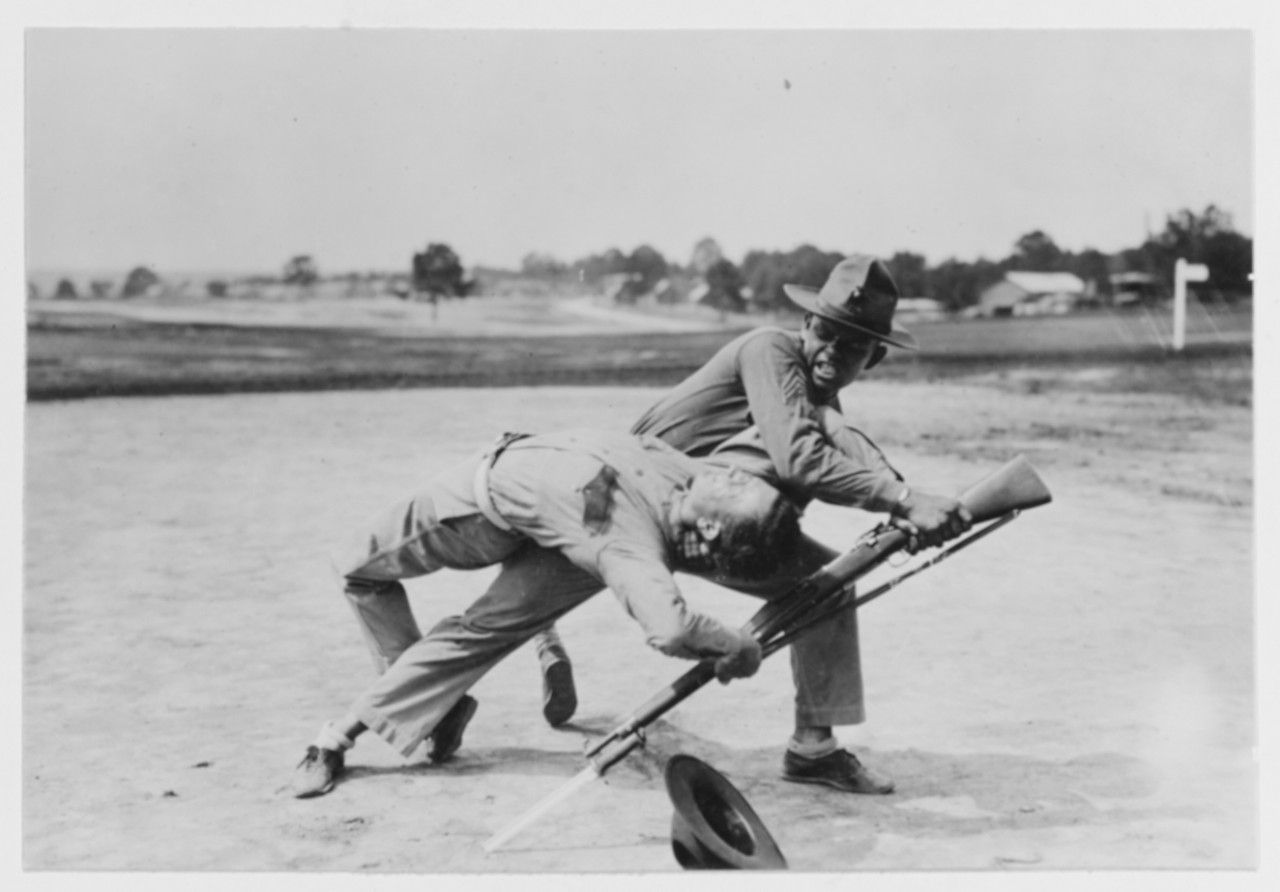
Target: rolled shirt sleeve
[
  {"x": 648, "y": 592},
  {"x": 634, "y": 568},
  {"x": 791, "y": 431}
]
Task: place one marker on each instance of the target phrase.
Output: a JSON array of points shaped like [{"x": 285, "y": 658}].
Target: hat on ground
[
  {"x": 859, "y": 294},
  {"x": 713, "y": 827}
]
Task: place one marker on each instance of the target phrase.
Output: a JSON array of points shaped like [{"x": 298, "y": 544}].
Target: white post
[
  {"x": 1179, "y": 304},
  {"x": 1183, "y": 273}
]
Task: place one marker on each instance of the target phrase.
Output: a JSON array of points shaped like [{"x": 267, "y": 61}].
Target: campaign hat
[
  {"x": 859, "y": 294},
  {"x": 714, "y": 827}
]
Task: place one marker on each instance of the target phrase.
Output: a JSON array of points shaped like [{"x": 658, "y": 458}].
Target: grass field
[{"x": 114, "y": 349}]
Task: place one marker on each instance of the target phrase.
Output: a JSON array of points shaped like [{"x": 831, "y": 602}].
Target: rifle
[{"x": 995, "y": 501}]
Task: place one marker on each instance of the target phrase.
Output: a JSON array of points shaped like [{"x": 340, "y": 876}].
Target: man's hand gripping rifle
[{"x": 994, "y": 501}]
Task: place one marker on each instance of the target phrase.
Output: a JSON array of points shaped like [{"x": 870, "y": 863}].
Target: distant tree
[
  {"x": 1142, "y": 259},
  {"x": 66, "y": 290},
  {"x": 762, "y": 271},
  {"x": 301, "y": 270},
  {"x": 542, "y": 266},
  {"x": 766, "y": 272},
  {"x": 706, "y": 254},
  {"x": 33, "y": 290},
  {"x": 101, "y": 288},
  {"x": 1091, "y": 266},
  {"x": 1036, "y": 252},
  {"x": 908, "y": 270},
  {"x": 649, "y": 265},
  {"x": 810, "y": 266},
  {"x": 724, "y": 287},
  {"x": 1186, "y": 232},
  {"x": 140, "y": 280},
  {"x": 595, "y": 267},
  {"x": 1208, "y": 237},
  {"x": 438, "y": 271},
  {"x": 958, "y": 284},
  {"x": 216, "y": 288},
  {"x": 1229, "y": 256}
]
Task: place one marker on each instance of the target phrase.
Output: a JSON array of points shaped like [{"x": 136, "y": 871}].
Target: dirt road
[{"x": 1074, "y": 692}]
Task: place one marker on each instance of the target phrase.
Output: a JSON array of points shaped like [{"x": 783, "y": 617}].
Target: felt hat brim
[
  {"x": 714, "y": 827},
  {"x": 809, "y": 299}
]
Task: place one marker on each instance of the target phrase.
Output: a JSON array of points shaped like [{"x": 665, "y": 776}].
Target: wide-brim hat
[
  {"x": 859, "y": 294},
  {"x": 714, "y": 828}
]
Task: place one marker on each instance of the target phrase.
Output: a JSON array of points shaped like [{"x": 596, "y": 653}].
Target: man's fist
[
  {"x": 742, "y": 661},
  {"x": 930, "y": 520}
]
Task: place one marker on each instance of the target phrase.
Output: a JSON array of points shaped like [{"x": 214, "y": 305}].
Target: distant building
[
  {"x": 1134, "y": 288},
  {"x": 1032, "y": 294},
  {"x": 921, "y": 309}
]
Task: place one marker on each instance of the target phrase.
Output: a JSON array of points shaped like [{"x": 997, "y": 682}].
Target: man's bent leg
[
  {"x": 559, "y": 696},
  {"x": 827, "y": 671},
  {"x": 386, "y": 622},
  {"x": 533, "y": 590},
  {"x": 406, "y": 541},
  {"x": 826, "y": 666}
]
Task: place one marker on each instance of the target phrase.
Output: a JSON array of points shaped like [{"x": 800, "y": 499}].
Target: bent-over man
[{"x": 620, "y": 510}]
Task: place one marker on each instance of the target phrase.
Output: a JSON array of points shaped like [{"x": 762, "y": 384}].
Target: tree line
[{"x": 1208, "y": 237}]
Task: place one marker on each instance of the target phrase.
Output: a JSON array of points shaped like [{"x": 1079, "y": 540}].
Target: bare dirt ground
[{"x": 1076, "y": 691}]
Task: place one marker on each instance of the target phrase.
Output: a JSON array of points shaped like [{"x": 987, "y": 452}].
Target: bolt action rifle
[{"x": 994, "y": 501}]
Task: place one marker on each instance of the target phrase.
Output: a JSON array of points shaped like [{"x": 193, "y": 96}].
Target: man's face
[
  {"x": 716, "y": 500},
  {"x": 835, "y": 355},
  {"x": 735, "y": 525},
  {"x": 730, "y": 493}
]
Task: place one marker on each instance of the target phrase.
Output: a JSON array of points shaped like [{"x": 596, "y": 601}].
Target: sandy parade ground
[{"x": 1075, "y": 692}]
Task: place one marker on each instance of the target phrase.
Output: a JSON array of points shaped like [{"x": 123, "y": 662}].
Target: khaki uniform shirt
[
  {"x": 604, "y": 500},
  {"x": 761, "y": 379}
]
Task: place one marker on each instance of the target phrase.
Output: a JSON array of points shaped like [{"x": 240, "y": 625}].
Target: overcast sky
[{"x": 235, "y": 149}]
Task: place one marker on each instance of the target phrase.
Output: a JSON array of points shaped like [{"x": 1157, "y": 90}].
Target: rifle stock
[{"x": 1013, "y": 488}]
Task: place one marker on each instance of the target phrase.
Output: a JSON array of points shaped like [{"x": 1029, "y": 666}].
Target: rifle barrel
[
  {"x": 999, "y": 497},
  {"x": 503, "y": 836},
  {"x": 659, "y": 703}
]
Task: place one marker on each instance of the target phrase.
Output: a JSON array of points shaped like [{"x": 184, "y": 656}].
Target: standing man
[
  {"x": 622, "y": 510},
  {"x": 769, "y": 401}
]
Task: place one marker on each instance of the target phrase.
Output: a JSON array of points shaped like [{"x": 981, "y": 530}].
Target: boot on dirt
[
  {"x": 840, "y": 769},
  {"x": 447, "y": 737},
  {"x": 559, "y": 697},
  {"x": 317, "y": 772}
]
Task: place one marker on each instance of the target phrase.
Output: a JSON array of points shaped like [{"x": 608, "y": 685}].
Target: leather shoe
[
  {"x": 317, "y": 772},
  {"x": 447, "y": 736},
  {"x": 840, "y": 769},
  {"x": 559, "y": 697}
]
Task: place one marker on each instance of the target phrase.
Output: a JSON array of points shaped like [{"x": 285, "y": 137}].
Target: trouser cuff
[
  {"x": 394, "y": 734},
  {"x": 819, "y": 718}
]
